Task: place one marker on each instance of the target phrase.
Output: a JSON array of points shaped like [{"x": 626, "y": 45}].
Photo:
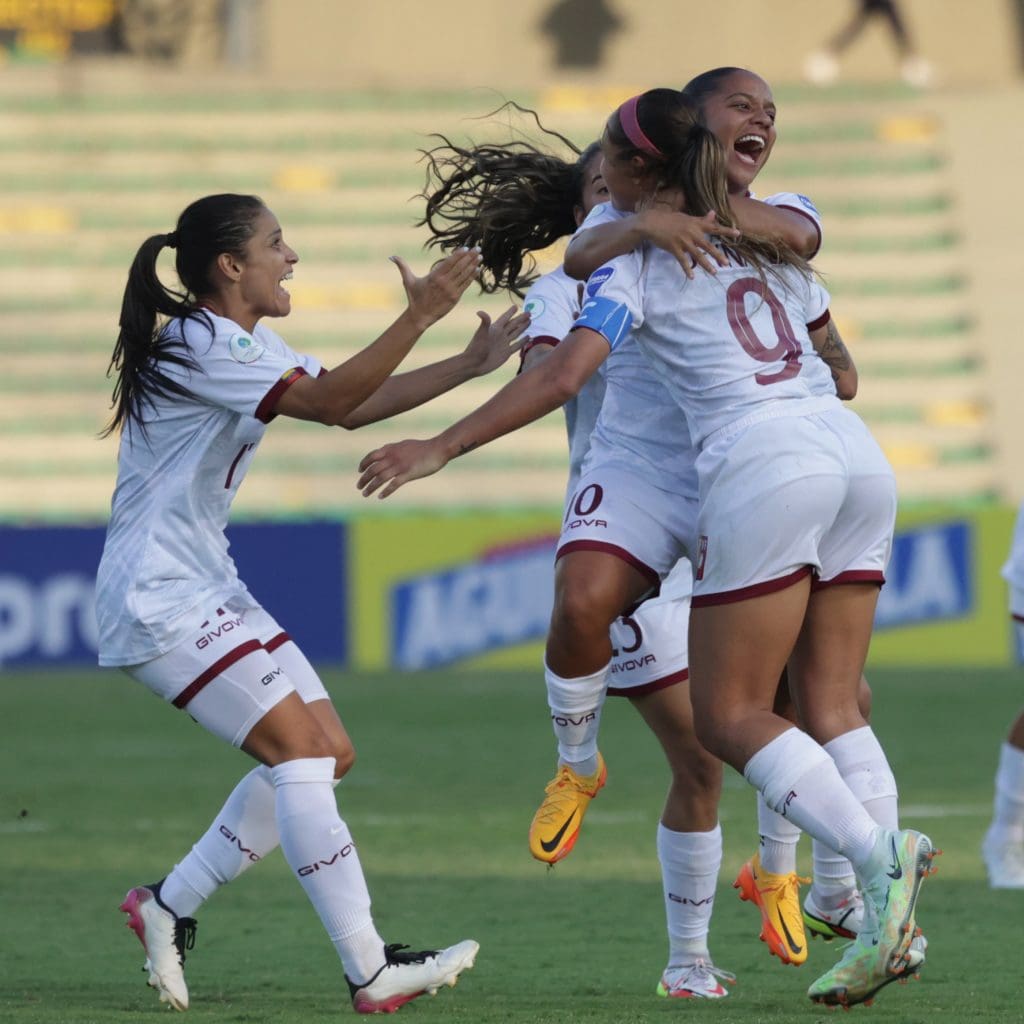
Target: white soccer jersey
[
  {"x": 727, "y": 345},
  {"x": 641, "y": 430},
  {"x": 165, "y": 554},
  {"x": 553, "y": 303},
  {"x": 1013, "y": 571}
]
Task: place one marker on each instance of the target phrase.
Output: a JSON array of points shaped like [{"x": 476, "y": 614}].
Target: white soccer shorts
[
  {"x": 790, "y": 495},
  {"x": 235, "y": 667},
  {"x": 649, "y": 646},
  {"x": 616, "y": 512}
]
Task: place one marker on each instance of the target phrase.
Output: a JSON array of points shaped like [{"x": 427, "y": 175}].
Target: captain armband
[{"x": 611, "y": 319}]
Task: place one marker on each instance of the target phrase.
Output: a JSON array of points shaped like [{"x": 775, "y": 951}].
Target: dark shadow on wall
[{"x": 581, "y": 30}]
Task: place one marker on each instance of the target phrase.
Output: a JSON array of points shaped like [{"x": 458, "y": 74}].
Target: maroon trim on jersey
[
  {"x": 241, "y": 651},
  {"x": 609, "y": 549},
  {"x": 231, "y": 475},
  {"x": 851, "y": 576},
  {"x": 755, "y": 590},
  {"x": 532, "y": 343},
  {"x": 658, "y": 684},
  {"x": 804, "y": 213},
  {"x": 820, "y": 322},
  {"x": 322, "y": 373},
  {"x": 276, "y": 641},
  {"x": 265, "y": 410}
]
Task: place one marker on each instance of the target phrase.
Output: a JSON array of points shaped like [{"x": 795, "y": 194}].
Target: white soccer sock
[
  {"x": 319, "y": 849},
  {"x": 690, "y": 862},
  {"x": 244, "y": 831},
  {"x": 1008, "y": 806},
  {"x": 576, "y": 716},
  {"x": 778, "y": 839},
  {"x": 865, "y": 769},
  {"x": 800, "y": 781}
]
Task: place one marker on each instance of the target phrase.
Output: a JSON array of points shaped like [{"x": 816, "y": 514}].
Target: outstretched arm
[
  {"x": 331, "y": 397},
  {"x": 489, "y": 348},
  {"x": 534, "y": 393}
]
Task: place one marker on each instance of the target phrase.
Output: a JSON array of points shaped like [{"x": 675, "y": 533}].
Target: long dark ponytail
[
  {"x": 511, "y": 199},
  {"x": 206, "y": 228}
]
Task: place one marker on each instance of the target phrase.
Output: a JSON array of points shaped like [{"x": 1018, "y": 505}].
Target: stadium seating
[{"x": 85, "y": 177}]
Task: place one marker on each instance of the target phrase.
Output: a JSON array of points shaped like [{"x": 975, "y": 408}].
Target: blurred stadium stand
[{"x": 93, "y": 161}]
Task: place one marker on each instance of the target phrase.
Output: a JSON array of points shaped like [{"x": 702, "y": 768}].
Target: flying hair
[{"x": 511, "y": 199}]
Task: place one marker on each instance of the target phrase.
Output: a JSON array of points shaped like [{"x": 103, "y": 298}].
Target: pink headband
[{"x": 631, "y": 126}]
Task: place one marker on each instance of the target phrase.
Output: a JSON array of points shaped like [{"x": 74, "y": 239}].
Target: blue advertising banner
[
  {"x": 48, "y": 578},
  {"x": 930, "y": 576},
  {"x": 499, "y": 599}
]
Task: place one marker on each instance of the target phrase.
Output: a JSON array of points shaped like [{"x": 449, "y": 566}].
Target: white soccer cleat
[
  {"x": 1004, "y": 863},
  {"x": 699, "y": 980},
  {"x": 841, "y": 922},
  {"x": 406, "y": 975},
  {"x": 165, "y": 939}
]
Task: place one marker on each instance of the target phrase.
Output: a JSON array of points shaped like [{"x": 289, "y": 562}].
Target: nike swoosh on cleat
[
  {"x": 789, "y": 938},
  {"x": 895, "y": 872},
  {"x": 548, "y": 846}
]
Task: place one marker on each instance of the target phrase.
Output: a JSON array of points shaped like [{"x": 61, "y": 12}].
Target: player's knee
[{"x": 584, "y": 607}]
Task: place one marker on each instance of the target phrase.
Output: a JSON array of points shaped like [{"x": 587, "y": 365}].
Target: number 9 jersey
[{"x": 726, "y": 345}]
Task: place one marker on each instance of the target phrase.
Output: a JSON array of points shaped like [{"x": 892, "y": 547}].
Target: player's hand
[
  {"x": 494, "y": 341},
  {"x": 433, "y": 296},
  {"x": 395, "y": 464},
  {"x": 685, "y": 236}
]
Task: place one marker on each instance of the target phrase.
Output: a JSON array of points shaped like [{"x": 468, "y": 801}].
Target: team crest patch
[
  {"x": 806, "y": 202},
  {"x": 535, "y": 307},
  {"x": 244, "y": 349},
  {"x": 598, "y": 279}
]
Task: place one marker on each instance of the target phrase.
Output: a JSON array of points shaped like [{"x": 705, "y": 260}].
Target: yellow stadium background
[{"x": 114, "y": 115}]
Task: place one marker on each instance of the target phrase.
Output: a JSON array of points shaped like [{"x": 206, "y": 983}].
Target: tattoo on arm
[
  {"x": 834, "y": 352},
  {"x": 463, "y": 448}
]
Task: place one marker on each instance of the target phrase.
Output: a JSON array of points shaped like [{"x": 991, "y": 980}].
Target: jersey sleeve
[
  {"x": 552, "y": 305},
  {"x": 798, "y": 203},
  {"x": 238, "y": 370},
  {"x": 613, "y": 299},
  {"x": 817, "y": 313}
]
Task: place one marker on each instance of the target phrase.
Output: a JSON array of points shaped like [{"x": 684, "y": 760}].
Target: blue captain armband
[{"x": 611, "y": 319}]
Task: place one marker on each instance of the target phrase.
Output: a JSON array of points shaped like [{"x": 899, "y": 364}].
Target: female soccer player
[
  {"x": 792, "y": 487},
  {"x": 199, "y": 377},
  {"x": 737, "y": 106}
]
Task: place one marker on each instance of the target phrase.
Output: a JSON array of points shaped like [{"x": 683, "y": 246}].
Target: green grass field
[{"x": 103, "y": 787}]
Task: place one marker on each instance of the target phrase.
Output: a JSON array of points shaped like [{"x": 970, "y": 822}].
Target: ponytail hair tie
[
  {"x": 171, "y": 239},
  {"x": 631, "y": 126}
]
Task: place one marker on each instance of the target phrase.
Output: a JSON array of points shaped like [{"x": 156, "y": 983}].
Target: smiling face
[
  {"x": 268, "y": 261},
  {"x": 741, "y": 114}
]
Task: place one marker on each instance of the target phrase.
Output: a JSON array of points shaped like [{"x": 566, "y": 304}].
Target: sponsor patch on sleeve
[
  {"x": 598, "y": 279},
  {"x": 535, "y": 307},
  {"x": 804, "y": 201},
  {"x": 244, "y": 349}
]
